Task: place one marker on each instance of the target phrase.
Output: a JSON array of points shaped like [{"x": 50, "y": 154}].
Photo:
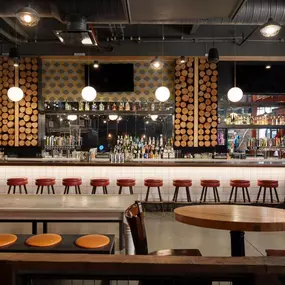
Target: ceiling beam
[{"x": 16, "y": 27}]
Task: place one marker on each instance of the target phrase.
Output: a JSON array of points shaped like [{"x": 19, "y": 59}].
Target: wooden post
[
  {"x": 17, "y": 109},
  {"x": 196, "y": 90}
]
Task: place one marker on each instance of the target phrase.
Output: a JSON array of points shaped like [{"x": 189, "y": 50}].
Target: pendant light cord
[
  {"x": 235, "y": 67},
  {"x": 162, "y": 30}
]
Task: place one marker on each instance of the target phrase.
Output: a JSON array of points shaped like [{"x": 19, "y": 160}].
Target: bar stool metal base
[
  {"x": 264, "y": 194},
  {"x": 203, "y": 197},
  {"x": 244, "y": 190}
]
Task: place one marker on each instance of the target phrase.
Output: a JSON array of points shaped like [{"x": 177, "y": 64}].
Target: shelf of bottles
[
  {"x": 234, "y": 120},
  {"x": 266, "y": 143},
  {"x": 129, "y": 148},
  {"x": 108, "y": 108}
]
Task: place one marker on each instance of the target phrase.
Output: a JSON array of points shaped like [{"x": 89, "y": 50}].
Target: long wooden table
[{"x": 72, "y": 208}]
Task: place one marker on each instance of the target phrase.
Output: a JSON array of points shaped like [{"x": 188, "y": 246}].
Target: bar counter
[{"x": 224, "y": 170}]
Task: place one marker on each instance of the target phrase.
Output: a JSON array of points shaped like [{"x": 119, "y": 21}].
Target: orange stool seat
[
  {"x": 69, "y": 182},
  {"x": 209, "y": 183},
  {"x": 240, "y": 183},
  {"x": 44, "y": 240},
  {"x": 7, "y": 239},
  {"x": 126, "y": 182},
  {"x": 92, "y": 241},
  {"x": 99, "y": 182},
  {"x": 14, "y": 182},
  {"x": 264, "y": 184}
]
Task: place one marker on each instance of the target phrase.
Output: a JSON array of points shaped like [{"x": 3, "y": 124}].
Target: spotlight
[
  {"x": 182, "y": 59},
  {"x": 213, "y": 56},
  {"x": 156, "y": 63},
  {"x": 14, "y": 54},
  {"x": 96, "y": 64},
  {"x": 28, "y": 17},
  {"x": 72, "y": 117},
  {"x": 86, "y": 41},
  {"x": 268, "y": 66},
  {"x": 270, "y": 28}
]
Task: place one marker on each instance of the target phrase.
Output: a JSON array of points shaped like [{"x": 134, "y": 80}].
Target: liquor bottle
[
  {"x": 121, "y": 107},
  {"x": 66, "y": 106},
  {"x": 81, "y": 106},
  {"x": 134, "y": 107},
  {"x": 282, "y": 120},
  {"x": 274, "y": 120},
  {"x": 114, "y": 107},
  {"x": 127, "y": 107},
  {"x": 269, "y": 121},
  {"x": 108, "y": 106},
  {"x": 152, "y": 107},
  {"x": 101, "y": 106},
  {"x": 87, "y": 107},
  {"x": 94, "y": 106},
  {"x": 140, "y": 106}
]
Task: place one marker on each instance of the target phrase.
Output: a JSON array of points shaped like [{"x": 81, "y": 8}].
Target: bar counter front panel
[{"x": 167, "y": 170}]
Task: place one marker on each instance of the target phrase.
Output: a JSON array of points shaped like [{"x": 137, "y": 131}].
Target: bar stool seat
[
  {"x": 240, "y": 183},
  {"x": 99, "y": 182},
  {"x": 44, "y": 240},
  {"x": 205, "y": 183},
  {"x": 264, "y": 184},
  {"x": 69, "y": 182},
  {"x": 126, "y": 182},
  {"x": 210, "y": 183},
  {"x": 14, "y": 182},
  {"x": 45, "y": 182},
  {"x": 267, "y": 183},
  {"x": 182, "y": 183},
  {"x": 152, "y": 182},
  {"x": 92, "y": 241},
  {"x": 7, "y": 239}
]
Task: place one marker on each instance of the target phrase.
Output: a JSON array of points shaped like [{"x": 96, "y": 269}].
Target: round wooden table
[{"x": 237, "y": 219}]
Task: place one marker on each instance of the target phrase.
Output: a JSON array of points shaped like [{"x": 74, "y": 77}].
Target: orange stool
[
  {"x": 244, "y": 184},
  {"x": 153, "y": 182},
  {"x": 126, "y": 182},
  {"x": 209, "y": 183},
  {"x": 182, "y": 183},
  {"x": 14, "y": 182},
  {"x": 99, "y": 182},
  {"x": 45, "y": 182},
  {"x": 267, "y": 184},
  {"x": 69, "y": 182}
]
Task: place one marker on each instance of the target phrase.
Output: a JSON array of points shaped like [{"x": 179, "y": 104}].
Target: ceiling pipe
[{"x": 11, "y": 38}]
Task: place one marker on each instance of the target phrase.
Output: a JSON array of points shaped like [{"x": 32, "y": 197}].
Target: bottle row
[
  {"x": 144, "y": 148},
  {"x": 102, "y": 106},
  {"x": 265, "y": 119},
  {"x": 69, "y": 141},
  {"x": 266, "y": 142}
]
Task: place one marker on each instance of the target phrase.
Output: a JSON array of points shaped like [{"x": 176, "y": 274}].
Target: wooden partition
[
  {"x": 196, "y": 108},
  {"x": 19, "y": 121}
]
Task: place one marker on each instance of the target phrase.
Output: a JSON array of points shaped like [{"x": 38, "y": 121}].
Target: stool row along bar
[{"x": 237, "y": 185}]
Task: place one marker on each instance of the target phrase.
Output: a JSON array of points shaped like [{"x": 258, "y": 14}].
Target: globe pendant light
[
  {"x": 235, "y": 94},
  {"x": 162, "y": 94},
  {"x": 88, "y": 93},
  {"x": 28, "y": 17},
  {"x": 15, "y": 94},
  {"x": 156, "y": 63}
]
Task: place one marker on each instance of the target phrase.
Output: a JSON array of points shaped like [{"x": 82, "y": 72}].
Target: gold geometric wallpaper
[{"x": 64, "y": 80}]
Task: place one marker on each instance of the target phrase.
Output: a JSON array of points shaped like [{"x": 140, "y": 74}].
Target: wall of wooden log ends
[
  {"x": 196, "y": 97},
  {"x": 19, "y": 121}
]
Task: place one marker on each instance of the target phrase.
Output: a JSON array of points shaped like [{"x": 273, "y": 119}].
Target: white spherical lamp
[
  {"x": 235, "y": 94},
  {"x": 15, "y": 94},
  {"x": 162, "y": 94},
  {"x": 113, "y": 117},
  {"x": 88, "y": 93}
]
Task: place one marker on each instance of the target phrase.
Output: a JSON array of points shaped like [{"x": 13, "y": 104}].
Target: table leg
[
  {"x": 34, "y": 228},
  {"x": 237, "y": 243},
  {"x": 129, "y": 244}
]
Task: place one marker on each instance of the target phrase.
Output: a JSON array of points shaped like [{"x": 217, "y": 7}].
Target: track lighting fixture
[
  {"x": 96, "y": 64},
  {"x": 156, "y": 63},
  {"x": 270, "y": 28},
  {"x": 213, "y": 55},
  {"x": 182, "y": 59}
]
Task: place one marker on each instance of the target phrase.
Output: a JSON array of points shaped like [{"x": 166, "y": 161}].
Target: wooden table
[
  {"x": 69, "y": 208},
  {"x": 237, "y": 219}
]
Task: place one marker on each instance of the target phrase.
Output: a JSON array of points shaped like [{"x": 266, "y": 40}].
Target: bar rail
[{"x": 249, "y": 270}]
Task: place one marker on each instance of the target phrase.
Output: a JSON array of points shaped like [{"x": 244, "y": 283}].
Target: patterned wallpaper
[{"x": 64, "y": 80}]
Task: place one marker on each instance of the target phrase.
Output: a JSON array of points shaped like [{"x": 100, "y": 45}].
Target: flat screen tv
[
  {"x": 110, "y": 77},
  {"x": 254, "y": 78}
]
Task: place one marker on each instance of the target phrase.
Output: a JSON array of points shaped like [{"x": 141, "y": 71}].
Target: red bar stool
[
  {"x": 243, "y": 184},
  {"x": 267, "y": 184},
  {"x": 45, "y": 182},
  {"x": 14, "y": 182},
  {"x": 209, "y": 183},
  {"x": 157, "y": 183},
  {"x": 69, "y": 182},
  {"x": 177, "y": 183},
  {"x": 99, "y": 182},
  {"x": 126, "y": 182}
]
